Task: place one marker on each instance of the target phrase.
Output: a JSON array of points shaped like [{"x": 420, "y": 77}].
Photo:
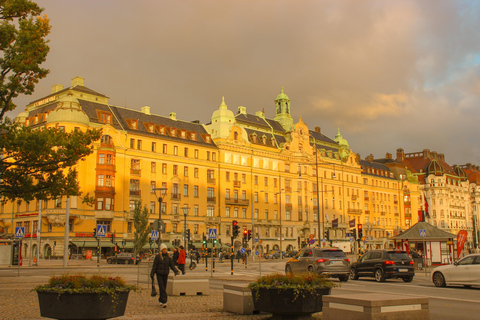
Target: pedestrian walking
[
  {"x": 161, "y": 267},
  {"x": 181, "y": 260},
  {"x": 175, "y": 256}
]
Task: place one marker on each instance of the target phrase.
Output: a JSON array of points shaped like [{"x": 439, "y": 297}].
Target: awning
[
  {"x": 92, "y": 244},
  {"x": 198, "y": 245}
]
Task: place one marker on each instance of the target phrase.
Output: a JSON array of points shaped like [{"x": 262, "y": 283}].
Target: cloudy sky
[{"x": 389, "y": 74}]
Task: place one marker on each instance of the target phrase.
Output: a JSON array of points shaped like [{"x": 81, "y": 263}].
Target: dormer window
[
  {"x": 264, "y": 140},
  {"x": 173, "y": 132},
  {"x": 193, "y": 136},
  {"x": 132, "y": 123},
  {"x": 183, "y": 134},
  {"x": 105, "y": 117},
  {"x": 161, "y": 130}
]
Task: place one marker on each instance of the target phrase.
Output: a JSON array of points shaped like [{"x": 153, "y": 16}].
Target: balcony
[
  {"x": 211, "y": 199},
  {"x": 103, "y": 189},
  {"x": 212, "y": 220},
  {"x": 354, "y": 211},
  {"x": 176, "y": 218},
  {"x": 366, "y": 198},
  {"x": 288, "y": 189},
  {"x": 367, "y": 211},
  {"x": 135, "y": 193},
  {"x": 288, "y": 206},
  {"x": 211, "y": 180},
  {"x": 238, "y": 202},
  {"x": 105, "y": 167},
  {"x": 176, "y": 196},
  {"x": 395, "y": 201},
  {"x": 136, "y": 172},
  {"x": 354, "y": 197},
  {"x": 407, "y": 203},
  {"x": 237, "y": 184}
]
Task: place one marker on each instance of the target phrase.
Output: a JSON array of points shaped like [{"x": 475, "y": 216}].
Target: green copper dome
[{"x": 282, "y": 96}]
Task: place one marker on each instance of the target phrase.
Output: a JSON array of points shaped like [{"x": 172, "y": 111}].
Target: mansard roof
[{"x": 375, "y": 168}]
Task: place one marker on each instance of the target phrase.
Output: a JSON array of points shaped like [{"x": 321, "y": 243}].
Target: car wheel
[
  {"x": 379, "y": 276},
  {"x": 109, "y": 261},
  {"x": 353, "y": 274},
  {"x": 288, "y": 269},
  {"x": 439, "y": 279},
  {"x": 407, "y": 279},
  {"x": 126, "y": 262},
  {"x": 310, "y": 269},
  {"x": 343, "y": 278}
]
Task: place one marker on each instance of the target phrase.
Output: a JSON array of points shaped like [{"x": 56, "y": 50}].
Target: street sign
[
  {"x": 212, "y": 233},
  {"x": 101, "y": 230},
  {"x": 154, "y": 235},
  {"x": 423, "y": 232},
  {"x": 311, "y": 236},
  {"x": 158, "y": 225},
  {"x": 352, "y": 240},
  {"x": 242, "y": 250},
  {"x": 19, "y": 232},
  {"x": 312, "y": 241},
  {"x": 324, "y": 240},
  {"x": 257, "y": 253}
]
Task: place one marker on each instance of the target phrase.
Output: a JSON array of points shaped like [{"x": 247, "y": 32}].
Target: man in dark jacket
[
  {"x": 175, "y": 256},
  {"x": 161, "y": 267}
]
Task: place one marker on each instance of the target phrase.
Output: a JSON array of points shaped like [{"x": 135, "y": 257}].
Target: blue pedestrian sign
[
  {"x": 212, "y": 233},
  {"x": 423, "y": 232},
  {"x": 101, "y": 230},
  {"x": 242, "y": 250},
  {"x": 19, "y": 232},
  {"x": 154, "y": 235}
]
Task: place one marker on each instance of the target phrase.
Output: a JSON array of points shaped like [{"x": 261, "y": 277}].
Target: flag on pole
[{"x": 425, "y": 215}]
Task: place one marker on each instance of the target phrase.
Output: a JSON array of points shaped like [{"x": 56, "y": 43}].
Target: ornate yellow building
[{"x": 273, "y": 176}]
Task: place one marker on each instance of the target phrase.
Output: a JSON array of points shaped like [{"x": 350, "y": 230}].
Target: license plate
[
  {"x": 336, "y": 262},
  {"x": 403, "y": 270}
]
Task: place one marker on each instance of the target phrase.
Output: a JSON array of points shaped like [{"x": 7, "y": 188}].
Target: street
[{"x": 445, "y": 303}]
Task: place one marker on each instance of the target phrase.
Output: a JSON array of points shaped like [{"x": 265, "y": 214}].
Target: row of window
[{"x": 138, "y": 144}]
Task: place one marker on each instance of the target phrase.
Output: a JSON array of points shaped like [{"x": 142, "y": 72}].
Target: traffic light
[
  {"x": 235, "y": 228},
  {"x": 111, "y": 239},
  {"x": 204, "y": 241},
  {"x": 249, "y": 235},
  {"x": 326, "y": 235},
  {"x": 150, "y": 240},
  {"x": 245, "y": 233},
  {"x": 187, "y": 235},
  {"x": 94, "y": 232},
  {"x": 360, "y": 231},
  {"x": 214, "y": 242},
  {"x": 354, "y": 233}
]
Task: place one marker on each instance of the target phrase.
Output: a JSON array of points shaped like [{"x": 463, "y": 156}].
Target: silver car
[
  {"x": 465, "y": 271},
  {"x": 331, "y": 262}
]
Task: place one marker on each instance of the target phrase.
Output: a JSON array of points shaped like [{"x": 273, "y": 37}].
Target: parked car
[
  {"x": 328, "y": 261},
  {"x": 124, "y": 258},
  {"x": 465, "y": 271},
  {"x": 384, "y": 264},
  {"x": 291, "y": 254},
  {"x": 275, "y": 254}
]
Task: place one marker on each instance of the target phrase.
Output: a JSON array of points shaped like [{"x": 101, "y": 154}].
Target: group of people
[{"x": 162, "y": 265}]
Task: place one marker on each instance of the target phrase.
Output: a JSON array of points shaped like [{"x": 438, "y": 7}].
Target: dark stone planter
[
  {"x": 82, "y": 305},
  {"x": 283, "y": 303}
]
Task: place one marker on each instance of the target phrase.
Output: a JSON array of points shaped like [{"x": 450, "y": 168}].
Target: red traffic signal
[
  {"x": 360, "y": 231},
  {"x": 245, "y": 232}
]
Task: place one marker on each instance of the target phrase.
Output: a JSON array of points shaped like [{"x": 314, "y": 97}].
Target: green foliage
[
  {"x": 142, "y": 230},
  {"x": 37, "y": 163},
  {"x": 300, "y": 283},
  {"x": 83, "y": 284},
  {"x": 23, "y": 48}
]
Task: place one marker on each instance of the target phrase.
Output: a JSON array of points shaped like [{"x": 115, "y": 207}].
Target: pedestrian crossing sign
[
  {"x": 19, "y": 232},
  {"x": 101, "y": 230},
  {"x": 154, "y": 235},
  {"x": 212, "y": 233}
]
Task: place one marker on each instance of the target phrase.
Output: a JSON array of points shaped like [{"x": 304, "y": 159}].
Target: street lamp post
[
  {"x": 160, "y": 225},
  {"x": 185, "y": 227}
]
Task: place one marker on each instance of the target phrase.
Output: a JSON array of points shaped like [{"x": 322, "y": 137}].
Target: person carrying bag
[{"x": 161, "y": 267}]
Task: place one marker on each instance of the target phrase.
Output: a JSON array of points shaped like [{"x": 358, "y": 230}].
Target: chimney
[
  {"x": 400, "y": 155},
  {"x": 441, "y": 156},
  {"x": 426, "y": 153},
  {"x": 56, "y": 88},
  {"x": 317, "y": 129},
  {"x": 388, "y": 156},
  {"x": 173, "y": 116},
  {"x": 369, "y": 158},
  {"x": 78, "y": 81},
  {"x": 146, "y": 110},
  {"x": 260, "y": 114},
  {"x": 242, "y": 110}
]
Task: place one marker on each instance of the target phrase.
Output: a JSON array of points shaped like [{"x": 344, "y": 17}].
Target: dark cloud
[{"x": 389, "y": 73}]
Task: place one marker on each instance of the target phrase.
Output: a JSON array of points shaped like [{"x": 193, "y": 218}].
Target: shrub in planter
[
  {"x": 290, "y": 295},
  {"x": 82, "y": 297}
]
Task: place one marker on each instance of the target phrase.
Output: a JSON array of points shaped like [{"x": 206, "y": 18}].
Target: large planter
[
  {"x": 287, "y": 303},
  {"x": 82, "y": 305}
]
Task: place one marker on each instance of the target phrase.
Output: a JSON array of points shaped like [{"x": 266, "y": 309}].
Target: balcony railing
[
  {"x": 135, "y": 193},
  {"x": 239, "y": 202},
  {"x": 211, "y": 180},
  {"x": 366, "y": 198},
  {"x": 136, "y": 172},
  {"x": 354, "y": 197},
  {"x": 211, "y": 199},
  {"x": 176, "y": 196},
  {"x": 354, "y": 211},
  {"x": 104, "y": 166},
  {"x": 237, "y": 184},
  {"x": 367, "y": 211},
  {"x": 104, "y": 189}
]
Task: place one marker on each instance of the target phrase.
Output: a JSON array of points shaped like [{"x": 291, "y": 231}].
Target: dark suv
[
  {"x": 384, "y": 264},
  {"x": 331, "y": 262}
]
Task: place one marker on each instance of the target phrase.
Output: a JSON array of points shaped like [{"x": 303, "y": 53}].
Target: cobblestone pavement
[{"x": 17, "y": 301}]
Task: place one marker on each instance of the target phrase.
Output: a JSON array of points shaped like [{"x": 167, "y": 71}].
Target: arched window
[{"x": 106, "y": 139}]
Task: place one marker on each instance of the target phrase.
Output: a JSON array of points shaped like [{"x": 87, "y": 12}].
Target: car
[
  {"x": 331, "y": 262},
  {"x": 275, "y": 254},
  {"x": 384, "y": 264},
  {"x": 291, "y": 254},
  {"x": 124, "y": 258},
  {"x": 465, "y": 271}
]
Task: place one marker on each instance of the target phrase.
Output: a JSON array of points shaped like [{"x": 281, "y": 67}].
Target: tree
[
  {"x": 140, "y": 219},
  {"x": 23, "y": 47},
  {"x": 39, "y": 164},
  {"x": 36, "y": 163}
]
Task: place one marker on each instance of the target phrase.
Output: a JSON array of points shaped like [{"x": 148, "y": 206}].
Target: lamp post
[
  {"x": 280, "y": 212},
  {"x": 185, "y": 227},
  {"x": 160, "y": 225}
]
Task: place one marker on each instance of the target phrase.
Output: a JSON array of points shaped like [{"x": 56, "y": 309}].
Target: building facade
[{"x": 290, "y": 185}]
